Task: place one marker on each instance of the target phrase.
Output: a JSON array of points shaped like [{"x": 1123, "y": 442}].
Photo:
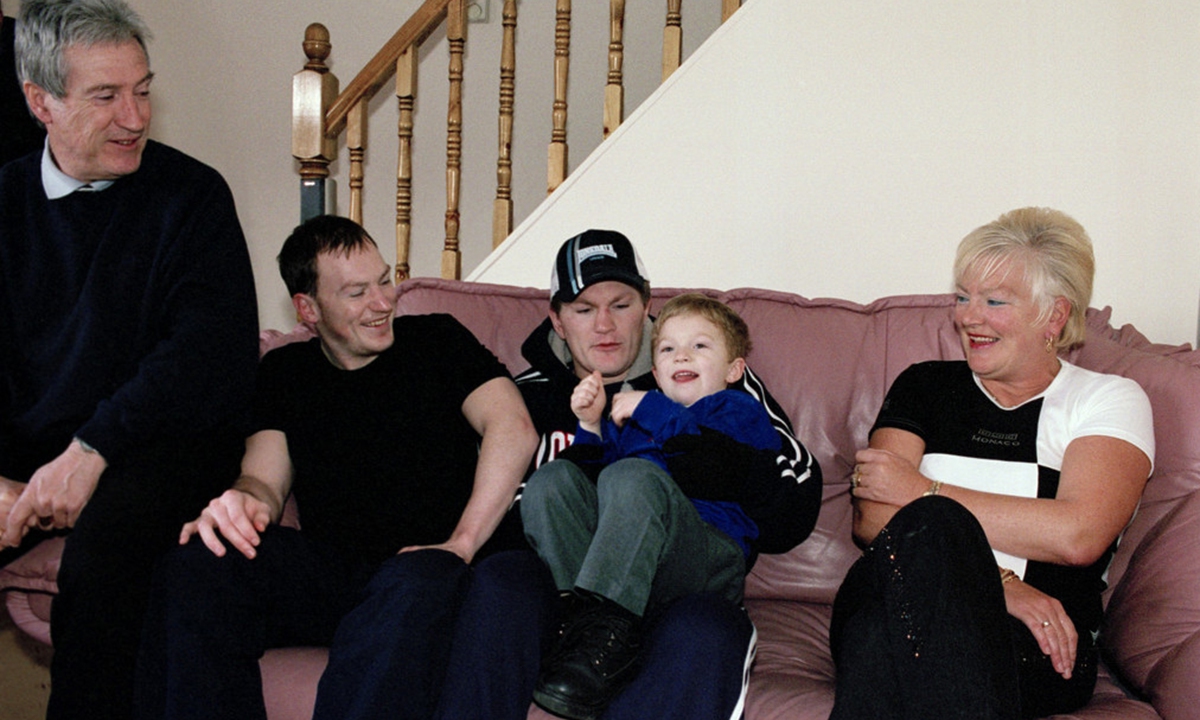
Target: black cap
[{"x": 595, "y": 256}]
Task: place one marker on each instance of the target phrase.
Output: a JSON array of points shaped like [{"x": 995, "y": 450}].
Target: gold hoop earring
[{"x": 1049, "y": 343}]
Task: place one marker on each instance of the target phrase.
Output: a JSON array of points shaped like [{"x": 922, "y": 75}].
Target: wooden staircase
[{"x": 325, "y": 120}]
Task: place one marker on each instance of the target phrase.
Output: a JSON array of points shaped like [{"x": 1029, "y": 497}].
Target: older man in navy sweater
[{"x": 127, "y": 340}]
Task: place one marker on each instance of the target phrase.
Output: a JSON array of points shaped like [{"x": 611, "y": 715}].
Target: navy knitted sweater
[{"x": 127, "y": 314}]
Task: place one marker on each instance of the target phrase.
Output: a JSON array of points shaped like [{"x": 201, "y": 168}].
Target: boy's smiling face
[{"x": 691, "y": 359}]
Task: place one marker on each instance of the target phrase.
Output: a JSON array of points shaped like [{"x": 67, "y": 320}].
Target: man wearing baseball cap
[{"x": 696, "y": 649}]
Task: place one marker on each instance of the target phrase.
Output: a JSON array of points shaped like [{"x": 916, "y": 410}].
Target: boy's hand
[
  {"x": 587, "y": 401},
  {"x": 623, "y": 405}
]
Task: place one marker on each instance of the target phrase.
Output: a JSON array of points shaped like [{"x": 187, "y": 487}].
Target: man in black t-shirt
[{"x": 403, "y": 441}]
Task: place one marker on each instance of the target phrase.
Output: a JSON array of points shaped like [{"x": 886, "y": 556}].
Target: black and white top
[{"x": 972, "y": 441}]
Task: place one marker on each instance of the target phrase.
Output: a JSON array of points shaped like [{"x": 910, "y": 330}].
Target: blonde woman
[{"x": 991, "y": 498}]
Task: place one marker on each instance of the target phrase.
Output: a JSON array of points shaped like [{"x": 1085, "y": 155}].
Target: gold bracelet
[
  {"x": 1007, "y": 576},
  {"x": 935, "y": 487}
]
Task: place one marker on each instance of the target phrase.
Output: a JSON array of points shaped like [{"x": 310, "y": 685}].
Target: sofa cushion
[
  {"x": 1168, "y": 375},
  {"x": 829, "y": 364},
  {"x": 1152, "y": 627}
]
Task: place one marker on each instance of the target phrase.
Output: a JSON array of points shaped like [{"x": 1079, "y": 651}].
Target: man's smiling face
[{"x": 98, "y": 129}]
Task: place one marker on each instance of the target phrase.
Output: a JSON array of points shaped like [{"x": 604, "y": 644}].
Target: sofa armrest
[
  {"x": 1151, "y": 633},
  {"x": 36, "y": 570}
]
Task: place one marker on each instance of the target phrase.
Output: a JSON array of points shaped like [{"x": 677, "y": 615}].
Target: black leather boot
[{"x": 593, "y": 661}]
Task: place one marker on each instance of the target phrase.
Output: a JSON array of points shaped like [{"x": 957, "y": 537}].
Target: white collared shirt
[{"x": 58, "y": 184}]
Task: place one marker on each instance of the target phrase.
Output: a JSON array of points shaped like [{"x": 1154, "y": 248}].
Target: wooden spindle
[
  {"x": 557, "y": 170},
  {"x": 502, "y": 207},
  {"x": 614, "y": 91},
  {"x": 456, "y": 35},
  {"x": 406, "y": 95},
  {"x": 728, "y": 8},
  {"x": 672, "y": 39},
  {"x": 313, "y": 91},
  {"x": 356, "y": 144}
]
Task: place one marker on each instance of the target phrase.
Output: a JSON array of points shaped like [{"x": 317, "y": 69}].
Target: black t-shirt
[{"x": 382, "y": 455}]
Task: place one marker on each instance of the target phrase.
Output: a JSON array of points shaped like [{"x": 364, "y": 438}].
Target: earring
[{"x": 1050, "y": 344}]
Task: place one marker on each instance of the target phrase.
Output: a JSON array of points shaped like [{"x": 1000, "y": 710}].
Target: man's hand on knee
[{"x": 235, "y": 515}]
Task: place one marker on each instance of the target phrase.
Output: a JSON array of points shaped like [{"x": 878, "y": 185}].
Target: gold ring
[{"x": 854, "y": 480}]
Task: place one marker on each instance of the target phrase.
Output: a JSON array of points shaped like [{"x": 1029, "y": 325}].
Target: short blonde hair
[
  {"x": 733, "y": 328},
  {"x": 1055, "y": 253}
]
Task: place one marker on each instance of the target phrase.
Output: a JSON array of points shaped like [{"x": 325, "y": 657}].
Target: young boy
[{"x": 651, "y": 503}]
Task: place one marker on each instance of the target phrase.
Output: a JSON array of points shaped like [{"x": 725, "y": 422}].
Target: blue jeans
[
  {"x": 698, "y": 641},
  {"x": 632, "y": 537}
]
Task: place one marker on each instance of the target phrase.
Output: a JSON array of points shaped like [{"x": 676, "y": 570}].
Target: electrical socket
[{"x": 477, "y": 11}]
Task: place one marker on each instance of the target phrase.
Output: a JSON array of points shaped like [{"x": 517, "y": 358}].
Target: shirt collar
[{"x": 58, "y": 184}]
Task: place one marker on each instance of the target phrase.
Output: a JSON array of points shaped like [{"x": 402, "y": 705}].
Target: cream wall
[
  {"x": 841, "y": 148},
  {"x": 829, "y": 147}
]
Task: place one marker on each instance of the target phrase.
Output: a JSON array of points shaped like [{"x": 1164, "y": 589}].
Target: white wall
[
  {"x": 829, "y": 147},
  {"x": 843, "y": 147}
]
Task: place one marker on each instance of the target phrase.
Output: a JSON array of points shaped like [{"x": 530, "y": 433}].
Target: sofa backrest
[{"x": 829, "y": 364}]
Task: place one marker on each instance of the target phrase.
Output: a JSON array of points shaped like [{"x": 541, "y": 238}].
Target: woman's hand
[
  {"x": 1046, "y": 619},
  {"x": 890, "y": 462},
  {"x": 886, "y": 477}
]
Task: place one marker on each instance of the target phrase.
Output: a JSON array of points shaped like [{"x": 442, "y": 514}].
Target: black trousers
[
  {"x": 132, "y": 519},
  {"x": 920, "y": 630}
]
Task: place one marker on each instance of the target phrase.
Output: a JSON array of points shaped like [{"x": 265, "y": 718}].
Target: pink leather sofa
[{"x": 829, "y": 363}]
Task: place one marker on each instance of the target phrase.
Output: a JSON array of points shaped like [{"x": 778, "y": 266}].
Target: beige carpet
[{"x": 24, "y": 673}]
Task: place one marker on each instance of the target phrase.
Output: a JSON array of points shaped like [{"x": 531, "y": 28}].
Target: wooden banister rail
[
  {"x": 381, "y": 67},
  {"x": 320, "y": 114}
]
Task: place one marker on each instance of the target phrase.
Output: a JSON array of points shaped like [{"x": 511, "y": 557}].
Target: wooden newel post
[{"x": 313, "y": 91}]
